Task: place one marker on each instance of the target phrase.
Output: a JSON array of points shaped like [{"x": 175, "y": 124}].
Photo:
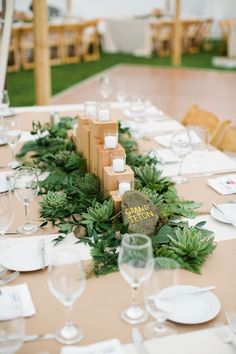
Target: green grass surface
[{"x": 21, "y": 84}]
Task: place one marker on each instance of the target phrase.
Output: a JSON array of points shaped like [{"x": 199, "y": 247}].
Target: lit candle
[
  {"x": 110, "y": 141},
  {"x": 123, "y": 187},
  {"x": 103, "y": 115},
  {"x": 118, "y": 165}
]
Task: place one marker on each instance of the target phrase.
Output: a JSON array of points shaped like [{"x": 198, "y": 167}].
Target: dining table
[{"x": 98, "y": 309}]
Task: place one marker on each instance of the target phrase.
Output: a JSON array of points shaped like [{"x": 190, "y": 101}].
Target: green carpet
[{"x": 21, "y": 84}]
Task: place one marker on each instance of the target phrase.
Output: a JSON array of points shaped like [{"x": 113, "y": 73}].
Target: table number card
[{"x": 139, "y": 213}]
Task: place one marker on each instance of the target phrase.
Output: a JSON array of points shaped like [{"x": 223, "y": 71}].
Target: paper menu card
[
  {"x": 15, "y": 301},
  {"x": 112, "y": 346},
  {"x": 224, "y": 185}
]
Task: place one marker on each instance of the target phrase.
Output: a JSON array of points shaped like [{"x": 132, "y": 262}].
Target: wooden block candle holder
[
  {"x": 93, "y": 157},
  {"x": 116, "y": 200},
  {"x": 104, "y": 159},
  {"x": 98, "y": 128},
  {"x": 111, "y": 178}
]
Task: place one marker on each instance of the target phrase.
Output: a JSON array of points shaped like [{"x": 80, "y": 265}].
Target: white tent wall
[{"x": 104, "y": 8}]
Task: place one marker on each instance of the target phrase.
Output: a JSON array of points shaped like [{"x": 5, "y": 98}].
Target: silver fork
[{"x": 7, "y": 279}]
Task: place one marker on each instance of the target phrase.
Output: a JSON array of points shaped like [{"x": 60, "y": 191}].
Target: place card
[
  {"x": 15, "y": 301},
  {"x": 224, "y": 185}
]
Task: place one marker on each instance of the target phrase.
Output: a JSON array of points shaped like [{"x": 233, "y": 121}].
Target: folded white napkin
[
  {"x": 112, "y": 346},
  {"x": 165, "y": 156},
  {"x": 15, "y": 301},
  {"x": 223, "y": 185}
]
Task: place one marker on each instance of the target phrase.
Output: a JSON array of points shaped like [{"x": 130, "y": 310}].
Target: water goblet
[
  {"x": 181, "y": 145},
  {"x": 199, "y": 136},
  {"x": 6, "y": 218},
  {"x": 135, "y": 266},
  {"x": 66, "y": 281},
  {"x": 13, "y": 133},
  {"x": 105, "y": 86},
  {"x": 11, "y": 335},
  {"x": 157, "y": 297},
  {"x": 4, "y": 104},
  {"x": 26, "y": 189}
]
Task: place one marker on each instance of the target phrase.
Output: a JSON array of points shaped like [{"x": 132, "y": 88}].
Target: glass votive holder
[
  {"x": 118, "y": 161},
  {"x": 124, "y": 185},
  {"x": 103, "y": 111},
  {"x": 110, "y": 140},
  {"x": 90, "y": 109}
]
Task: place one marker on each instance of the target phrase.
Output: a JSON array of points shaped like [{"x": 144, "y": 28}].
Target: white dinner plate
[
  {"x": 228, "y": 209},
  {"x": 24, "y": 255},
  {"x": 191, "y": 308}
]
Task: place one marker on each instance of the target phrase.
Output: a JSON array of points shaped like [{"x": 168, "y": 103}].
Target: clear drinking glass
[
  {"x": 181, "y": 145},
  {"x": 66, "y": 281},
  {"x": 4, "y": 104},
  {"x": 157, "y": 302},
  {"x": 199, "y": 136},
  {"x": 105, "y": 86},
  {"x": 11, "y": 335},
  {"x": 13, "y": 133},
  {"x": 26, "y": 189},
  {"x": 135, "y": 266},
  {"x": 6, "y": 218}
]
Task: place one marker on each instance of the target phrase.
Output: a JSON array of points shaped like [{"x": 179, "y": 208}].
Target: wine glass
[
  {"x": 4, "y": 104},
  {"x": 135, "y": 267},
  {"x": 11, "y": 335},
  {"x": 6, "y": 218},
  {"x": 66, "y": 281},
  {"x": 105, "y": 86},
  {"x": 13, "y": 134},
  {"x": 158, "y": 295},
  {"x": 181, "y": 145},
  {"x": 26, "y": 189},
  {"x": 199, "y": 136}
]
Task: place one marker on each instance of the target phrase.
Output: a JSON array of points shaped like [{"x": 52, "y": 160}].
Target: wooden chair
[
  {"x": 161, "y": 33},
  {"x": 225, "y": 137},
  {"x": 26, "y": 43},
  {"x": 71, "y": 43},
  {"x": 56, "y": 48},
  {"x": 203, "y": 35},
  {"x": 217, "y": 128},
  {"x": 190, "y": 30},
  {"x": 14, "y": 56},
  {"x": 226, "y": 28},
  {"x": 198, "y": 116},
  {"x": 90, "y": 40}
]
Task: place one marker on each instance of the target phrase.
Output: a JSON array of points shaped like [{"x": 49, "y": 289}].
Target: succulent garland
[{"x": 73, "y": 201}]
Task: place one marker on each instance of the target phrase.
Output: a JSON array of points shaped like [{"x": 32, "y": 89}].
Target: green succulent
[{"x": 100, "y": 212}]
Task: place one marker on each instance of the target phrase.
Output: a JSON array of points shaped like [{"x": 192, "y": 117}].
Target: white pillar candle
[
  {"x": 123, "y": 187},
  {"x": 118, "y": 165},
  {"x": 110, "y": 141},
  {"x": 103, "y": 115}
]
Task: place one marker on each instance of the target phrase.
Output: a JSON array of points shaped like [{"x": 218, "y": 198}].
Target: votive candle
[{"x": 124, "y": 186}]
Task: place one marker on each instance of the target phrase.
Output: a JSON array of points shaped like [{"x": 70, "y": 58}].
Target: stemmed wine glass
[
  {"x": 158, "y": 294},
  {"x": 105, "y": 86},
  {"x": 13, "y": 133},
  {"x": 26, "y": 189},
  {"x": 181, "y": 145},
  {"x": 135, "y": 266},
  {"x": 6, "y": 218},
  {"x": 4, "y": 104},
  {"x": 66, "y": 281}
]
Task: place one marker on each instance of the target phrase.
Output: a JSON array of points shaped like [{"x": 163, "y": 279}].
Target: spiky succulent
[{"x": 100, "y": 212}]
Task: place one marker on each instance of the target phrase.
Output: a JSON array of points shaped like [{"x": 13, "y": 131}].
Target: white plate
[
  {"x": 228, "y": 209},
  {"x": 192, "y": 308},
  {"x": 24, "y": 255},
  {"x": 9, "y": 113}
]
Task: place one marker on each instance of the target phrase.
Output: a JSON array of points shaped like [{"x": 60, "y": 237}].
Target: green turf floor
[{"x": 21, "y": 84}]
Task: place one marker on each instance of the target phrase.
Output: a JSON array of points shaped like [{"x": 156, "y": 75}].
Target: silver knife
[
  {"x": 37, "y": 337},
  {"x": 228, "y": 219},
  {"x": 42, "y": 251},
  {"x": 138, "y": 341}
]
